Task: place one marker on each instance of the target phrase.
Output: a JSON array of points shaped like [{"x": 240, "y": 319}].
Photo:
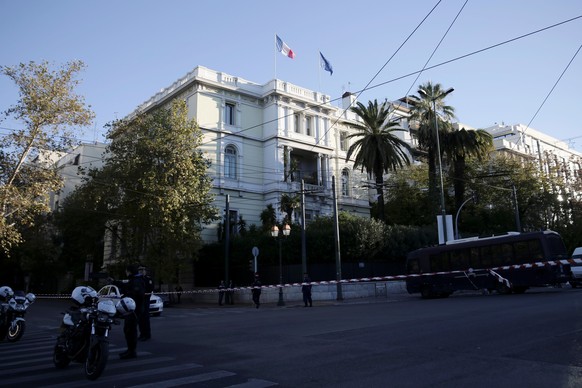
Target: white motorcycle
[
  {"x": 12, "y": 310},
  {"x": 85, "y": 330}
]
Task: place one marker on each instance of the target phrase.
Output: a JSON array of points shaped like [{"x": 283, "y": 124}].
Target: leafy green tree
[
  {"x": 377, "y": 148},
  {"x": 268, "y": 217},
  {"x": 49, "y": 112},
  {"x": 82, "y": 221},
  {"x": 407, "y": 198},
  {"x": 424, "y": 114},
  {"x": 495, "y": 213},
  {"x": 159, "y": 190}
]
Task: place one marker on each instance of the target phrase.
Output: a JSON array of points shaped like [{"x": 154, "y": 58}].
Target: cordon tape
[{"x": 491, "y": 271}]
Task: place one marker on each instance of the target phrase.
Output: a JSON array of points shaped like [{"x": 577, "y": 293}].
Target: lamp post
[
  {"x": 457, "y": 216},
  {"x": 286, "y": 231},
  {"x": 436, "y": 126}
]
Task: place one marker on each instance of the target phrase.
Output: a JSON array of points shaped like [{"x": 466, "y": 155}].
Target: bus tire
[
  {"x": 426, "y": 292},
  {"x": 503, "y": 289},
  {"x": 519, "y": 290}
]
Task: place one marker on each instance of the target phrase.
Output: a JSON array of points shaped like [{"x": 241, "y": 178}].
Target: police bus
[{"x": 507, "y": 263}]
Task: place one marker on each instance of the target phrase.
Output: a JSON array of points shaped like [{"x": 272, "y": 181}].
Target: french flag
[{"x": 284, "y": 49}]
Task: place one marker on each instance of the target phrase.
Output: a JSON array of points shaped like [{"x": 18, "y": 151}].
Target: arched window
[
  {"x": 230, "y": 162},
  {"x": 345, "y": 182}
]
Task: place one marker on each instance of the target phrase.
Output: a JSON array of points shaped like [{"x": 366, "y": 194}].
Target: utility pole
[
  {"x": 338, "y": 261},
  {"x": 226, "y": 238},
  {"x": 303, "y": 241}
]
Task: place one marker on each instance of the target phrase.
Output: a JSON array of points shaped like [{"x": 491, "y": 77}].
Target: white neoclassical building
[
  {"x": 84, "y": 156},
  {"x": 264, "y": 140}
]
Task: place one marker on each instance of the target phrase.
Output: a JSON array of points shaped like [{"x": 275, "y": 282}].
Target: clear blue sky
[{"x": 134, "y": 48}]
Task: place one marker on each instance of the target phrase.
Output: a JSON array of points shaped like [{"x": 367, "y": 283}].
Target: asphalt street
[{"x": 467, "y": 340}]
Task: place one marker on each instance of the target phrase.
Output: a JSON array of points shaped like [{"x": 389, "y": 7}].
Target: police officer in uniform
[
  {"x": 134, "y": 288},
  {"x": 145, "y": 331}
]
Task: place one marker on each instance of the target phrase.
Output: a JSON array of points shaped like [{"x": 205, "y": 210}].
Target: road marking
[
  {"x": 254, "y": 383},
  {"x": 187, "y": 380},
  {"x": 115, "y": 379}
]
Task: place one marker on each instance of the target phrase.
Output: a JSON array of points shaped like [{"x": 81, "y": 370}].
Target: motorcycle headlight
[{"x": 107, "y": 307}]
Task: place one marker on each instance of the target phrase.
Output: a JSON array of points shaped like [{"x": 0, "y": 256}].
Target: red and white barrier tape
[{"x": 492, "y": 271}]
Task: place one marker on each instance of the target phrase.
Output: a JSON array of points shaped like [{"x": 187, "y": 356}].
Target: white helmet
[
  {"x": 6, "y": 292},
  {"x": 83, "y": 294},
  {"x": 125, "y": 306},
  {"x": 31, "y": 297}
]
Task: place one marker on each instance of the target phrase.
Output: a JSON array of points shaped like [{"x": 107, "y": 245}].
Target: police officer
[
  {"x": 256, "y": 290},
  {"x": 145, "y": 331},
  {"x": 134, "y": 288}
]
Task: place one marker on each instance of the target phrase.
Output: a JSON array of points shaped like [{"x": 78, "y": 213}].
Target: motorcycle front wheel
[
  {"x": 96, "y": 360},
  {"x": 16, "y": 331}
]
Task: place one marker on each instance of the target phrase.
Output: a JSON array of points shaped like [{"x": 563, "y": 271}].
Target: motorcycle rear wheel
[
  {"x": 60, "y": 357},
  {"x": 96, "y": 360},
  {"x": 15, "y": 332}
]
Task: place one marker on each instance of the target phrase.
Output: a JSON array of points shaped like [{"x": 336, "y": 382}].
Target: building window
[
  {"x": 308, "y": 127},
  {"x": 310, "y": 215},
  {"x": 343, "y": 141},
  {"x": 229, "y": 113},
  {"x": 297, "y": 123},
  {"x": 345, "y": 182},
  {"x": 230, "y": 162}
]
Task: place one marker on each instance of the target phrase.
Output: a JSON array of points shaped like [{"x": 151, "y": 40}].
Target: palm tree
[
  {"x": 377, "y": 148},
  {"x": 288, "y": 204},
  {"x": 424, "y": 113},
  {"x": 460, "y": 145}
]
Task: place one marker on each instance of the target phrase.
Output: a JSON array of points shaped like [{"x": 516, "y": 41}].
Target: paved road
[{"x": 468, "y": 340}]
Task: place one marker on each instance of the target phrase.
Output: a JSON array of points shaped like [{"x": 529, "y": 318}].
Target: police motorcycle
[
  {"x": 85, "y": 329},
  {"x": 13, "y": 307}
]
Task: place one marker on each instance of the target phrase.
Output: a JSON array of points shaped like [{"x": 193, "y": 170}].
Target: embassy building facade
[{"x": 263, "y": 141}]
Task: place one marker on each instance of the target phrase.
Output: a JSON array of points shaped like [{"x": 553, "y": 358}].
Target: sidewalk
[{"x": 188, "y": 303}]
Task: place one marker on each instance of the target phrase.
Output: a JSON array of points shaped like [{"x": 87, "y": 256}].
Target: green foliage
[
  {"x": 158, "y": 190},
  {"x": 288, "y": 204},
  {"x": 268, "y": 217},
  {"x": 401, "y": 239},
  {"x": 48, "y": 110},
  {"x": 407, "y": 197},
  {"x": 82, "y": 221},
  {"x": 431, "y": 105},
  {"x": 377, "y": 148}
]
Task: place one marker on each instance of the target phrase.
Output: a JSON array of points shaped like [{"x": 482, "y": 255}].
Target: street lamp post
[
  {"x": 286, "y": 231},
  {"x": 457, "y": 216},
  {"x": 436, "y": 126}
]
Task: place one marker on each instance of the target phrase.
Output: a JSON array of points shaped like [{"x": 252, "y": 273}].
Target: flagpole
[
  {"x": 319, "y": 71},
  {"x": 275, "y": 57}
]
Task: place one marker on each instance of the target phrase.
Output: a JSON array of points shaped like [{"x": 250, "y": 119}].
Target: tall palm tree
[
  {"x": 377, "y": 148},
  {"x": 460, "y": 145},
  {"x": 424, "y": 113},
  {"x": 288, "y": 204}
]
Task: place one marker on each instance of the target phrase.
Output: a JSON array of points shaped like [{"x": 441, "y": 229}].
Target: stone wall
[{"x": 321, "y": 292}]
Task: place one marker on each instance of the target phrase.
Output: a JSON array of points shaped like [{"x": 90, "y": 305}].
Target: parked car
[
  {"x": 111, "y": 292},
  {"x": 576, "y": 269}
]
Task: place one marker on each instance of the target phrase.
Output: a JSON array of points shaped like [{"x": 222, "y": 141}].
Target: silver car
[{"x": 111, "y": 292}]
